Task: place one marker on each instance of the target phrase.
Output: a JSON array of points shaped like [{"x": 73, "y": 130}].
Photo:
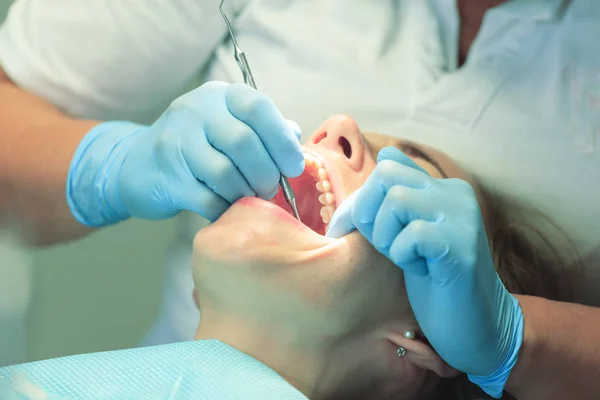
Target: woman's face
[{"x": 258, "y": 263}]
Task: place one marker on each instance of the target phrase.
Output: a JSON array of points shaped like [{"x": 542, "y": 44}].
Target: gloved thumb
[
  {"x": 295, "y": 128},
  {"x": 341, "y": 222},
  {"x": 394, "y": 154}
]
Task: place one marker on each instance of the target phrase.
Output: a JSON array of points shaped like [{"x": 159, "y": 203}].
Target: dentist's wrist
[
  {"x": 494, "y": 384},
  {"x": 92, "y": 182}
]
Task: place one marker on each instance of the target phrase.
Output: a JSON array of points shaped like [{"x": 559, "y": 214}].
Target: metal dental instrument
[{"x": 241, "y": 60}]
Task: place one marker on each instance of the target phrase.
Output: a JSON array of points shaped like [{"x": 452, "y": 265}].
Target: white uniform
[{"x": 523, "y": 113}]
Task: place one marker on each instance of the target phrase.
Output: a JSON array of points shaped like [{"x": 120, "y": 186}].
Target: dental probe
[{"x": 241, "y": 60}]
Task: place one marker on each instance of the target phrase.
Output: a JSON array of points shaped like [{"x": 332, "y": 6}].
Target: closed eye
[{"x": 413, "y": 150}]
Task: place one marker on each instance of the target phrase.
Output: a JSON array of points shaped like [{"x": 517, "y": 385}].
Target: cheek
[
  {"x": 219, "y": 272},
  {"x": 354, "y": 181},
  {"x": 378, "y": 290},
  {"x": 355, "y": 288},
  {"x": 368, "y": 168}
]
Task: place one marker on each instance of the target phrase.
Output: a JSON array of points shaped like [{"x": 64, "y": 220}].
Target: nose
[{"x": 340, "y": 134}]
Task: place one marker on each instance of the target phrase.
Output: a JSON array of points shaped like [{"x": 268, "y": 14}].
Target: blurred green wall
[
  {"x": 99, "y": 293},
  {"x": 4, "y": 4}
]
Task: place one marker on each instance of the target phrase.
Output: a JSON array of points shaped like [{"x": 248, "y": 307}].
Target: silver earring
[
  {"x": 409, "y": 334},
  {"x": 401, "y": 351}
]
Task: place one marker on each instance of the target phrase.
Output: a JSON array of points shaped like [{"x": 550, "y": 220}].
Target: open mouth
[{"x": 314, "y": 195}]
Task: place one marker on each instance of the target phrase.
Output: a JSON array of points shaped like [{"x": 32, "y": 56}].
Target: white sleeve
[{"x": 109, "y": 59}]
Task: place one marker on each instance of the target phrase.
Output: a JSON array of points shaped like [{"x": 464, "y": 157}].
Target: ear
[{"x": 422, "y": 355}]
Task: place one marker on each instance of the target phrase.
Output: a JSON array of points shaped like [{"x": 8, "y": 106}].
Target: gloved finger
[
  {"x": 295, "y": 129},
  {"x": 260, "y": 113},
  {"x": 394, "y": 154},
  {"x": 272, "y": 194},
  {"x": 391, "y": 173},
  {"x": 341, "y": 222},
  {"x": 366, "y": 205},
  {"x": 419, "y": 245},
  {"x": 244, "y": 148},
  {"x": 195, "y": 196},
  {"x": 215, "y": 170},
  {"x": 401, "y": 206},
  {"x": 386, "y": 174}
]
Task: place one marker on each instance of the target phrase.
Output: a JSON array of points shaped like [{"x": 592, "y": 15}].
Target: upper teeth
[
  {"x": 322, "y": 174},
  {"x": 324, "y": 186},
  {"x": 327, "y": 199}
]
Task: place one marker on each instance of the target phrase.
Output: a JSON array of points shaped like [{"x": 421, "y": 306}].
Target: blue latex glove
[
  {"x": 433, "y": 230},
  {"x": 211, "y": 147}
]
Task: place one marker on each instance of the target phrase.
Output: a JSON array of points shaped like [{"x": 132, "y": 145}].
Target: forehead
[{"x": 377, "y": 141}]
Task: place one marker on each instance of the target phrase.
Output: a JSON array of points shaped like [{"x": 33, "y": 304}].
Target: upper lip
[{"x": 331, "y": 173}]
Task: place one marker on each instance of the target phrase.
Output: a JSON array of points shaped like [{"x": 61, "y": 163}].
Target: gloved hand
[
  {"x": 211, "y": 147},
  {"x": 433, "y": 230}
]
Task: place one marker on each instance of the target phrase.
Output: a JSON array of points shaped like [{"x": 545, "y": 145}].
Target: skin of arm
[
  {"x": 560, "y": 356},
  {"x": 37, "y": 142}
]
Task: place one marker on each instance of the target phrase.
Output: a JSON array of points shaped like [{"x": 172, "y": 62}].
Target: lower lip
[
  {"x": 322, "y": 244},
  {"x": 274, "y": 209}
]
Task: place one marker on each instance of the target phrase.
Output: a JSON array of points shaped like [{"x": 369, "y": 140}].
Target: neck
[
  {"x": 361, "y": 365},
  {"x": 474, "y": 9},
  {"x": 300, "y": 363},
  {"x": 471, "y": 15}
]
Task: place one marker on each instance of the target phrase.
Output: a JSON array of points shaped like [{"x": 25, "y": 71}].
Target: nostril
[
  {"x": 346, "y": 147},
  {"x": 319, "y": 137}
]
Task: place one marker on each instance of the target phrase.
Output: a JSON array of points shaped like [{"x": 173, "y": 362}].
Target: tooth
[
  {"x": 330, "y": 209},
  {"x": 326, "y": 199},
  {"x": 326, "y": 186},
  {"x": 329, "y": 199},
  {"x": 322, "y": 174},
  {"x": 313, "y": 160},
  {"x": 325, "y": 215}
]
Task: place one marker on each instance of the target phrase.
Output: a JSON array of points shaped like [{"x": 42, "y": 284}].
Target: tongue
[{"x": 307, "y": 201}]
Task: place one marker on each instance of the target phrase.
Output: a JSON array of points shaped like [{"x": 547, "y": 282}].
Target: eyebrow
[{"x": 412, "y": 149}]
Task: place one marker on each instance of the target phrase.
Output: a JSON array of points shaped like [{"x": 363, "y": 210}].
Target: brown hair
[{"x": 534, "y": 258}]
